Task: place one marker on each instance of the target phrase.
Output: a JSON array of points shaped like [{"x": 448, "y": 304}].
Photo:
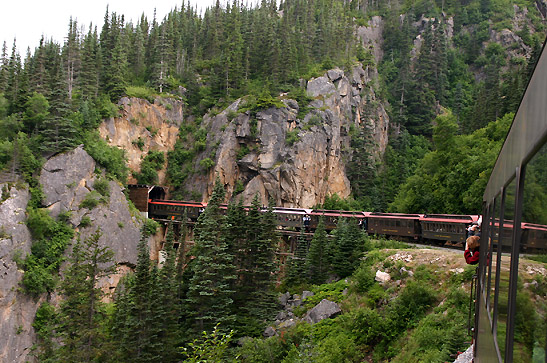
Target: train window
[
  {"x": 534, "y": 248},
  {"x": 504, "y": 247},
  {"x": 495, "y": 211},
  {"x": 398, "y": 223}
]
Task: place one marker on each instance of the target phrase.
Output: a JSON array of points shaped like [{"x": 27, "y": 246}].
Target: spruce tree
[
  {"x": 209, "y": 295},
  {"x": 316, "y": 260},
  {"x": 297, "y": 263},
  {"x": 82, "y": 315}
]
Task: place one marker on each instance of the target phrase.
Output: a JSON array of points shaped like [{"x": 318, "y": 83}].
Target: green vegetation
[
  {"x": 153, "y": 162},
  {"x": 50, "y": 239}
]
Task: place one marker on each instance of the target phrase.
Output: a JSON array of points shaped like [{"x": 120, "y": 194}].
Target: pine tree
[
  {"x": 82, "y": 314},
  {"x": 136, "y": 327},
  {"x": 316, "y": 260},
  {"x": 350, "y": 243},
  {"x": 297, "y": 264},
  {"x": 209, "y": 296}
]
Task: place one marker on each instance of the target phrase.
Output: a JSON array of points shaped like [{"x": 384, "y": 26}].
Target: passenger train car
[{"x": 514, "y": 237}]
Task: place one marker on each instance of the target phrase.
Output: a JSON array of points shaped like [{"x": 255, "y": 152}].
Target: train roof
[
  {"x": 394, "y": 215},
  {"x": 177, "y": 202},
  {"x": 285, "y": 210},
  {"x": 449, "y": 218},
  {"x": 337, "y": 213},
  {"x": 534, "y": 226}
]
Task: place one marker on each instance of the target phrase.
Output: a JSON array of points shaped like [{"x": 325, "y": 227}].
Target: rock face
[
  {"x": 67, "y": 179},
  {"x": 156, "y": 124},
  {"x": 16, "y": 309},
  {"x": 297, "y": 160}
]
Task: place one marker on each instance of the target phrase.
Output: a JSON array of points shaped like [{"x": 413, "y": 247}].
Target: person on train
[
  {"x": 475, "y": 228},
  {"x": 471, "y": 252}
]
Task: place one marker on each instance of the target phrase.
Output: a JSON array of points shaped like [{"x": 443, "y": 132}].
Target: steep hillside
[{"x": 296, "y": 154}]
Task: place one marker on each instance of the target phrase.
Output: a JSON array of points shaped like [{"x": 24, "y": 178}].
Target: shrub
[
  {"x": 150, "y": 165},
  {"x": 109, "y": 157},
  {"x": 141, "y": 92},
  {"x": 367, "y": 326},
  {"x": 102, "y": 186},
  {"x": 239, "y": 187},
  {"x": 85, "y": 222},
  {"x": 207, "y": 163},
  {"x": 50, "y": 241},
  {"x": 150, "y": 227},
  {"x": 243, "y": 150},
  {"x": 139, "y": 143},
  {"x": 292, "y": 137},
  {"x": 91, "y": 200},
  {"x": 364, "y": 278}
]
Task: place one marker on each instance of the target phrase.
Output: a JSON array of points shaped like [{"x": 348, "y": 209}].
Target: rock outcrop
[
  {"x": 144, "y": 127},
  {"x": 67, "y": 179},
  {"x": 324, "y": 310},
  {"x": 17, "y": 310},
  {"x": 297, "y": 160}
]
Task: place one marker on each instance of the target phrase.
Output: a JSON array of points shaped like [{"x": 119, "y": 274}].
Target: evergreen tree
[
  {"x": 209, "y": 295},
  {"x": 350, "y": 243},
  {"x": 136, "y": 327},
  {"x": 316, "y": 260},
  {"x": 296, "y": 268},
  {"x": 81, "y": 314}
]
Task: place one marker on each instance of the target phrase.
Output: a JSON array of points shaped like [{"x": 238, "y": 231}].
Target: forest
[{"x": 450, "y": 105}]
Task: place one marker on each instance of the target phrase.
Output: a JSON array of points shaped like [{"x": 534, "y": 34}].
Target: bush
[
  {"x": 150, "y": 227},
  {"x": 292, "y": 137},
  {"x": 141, "y": 92},
  {"x": 150, "y": 165},
  {"x": 50, "y": 241},
  {"x": 111, "y": 158},
  {"x": 85, "y": 222},
  {"x": 367, "y": 326},
  {"x": 207, "y": 163},
  {"x": 102, "y": 186},
  {"x": 364, "y": 278},
  {"x": 91, "y": 200}
]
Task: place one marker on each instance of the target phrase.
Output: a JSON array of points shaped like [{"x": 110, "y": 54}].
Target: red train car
[
  {"x": 394, "y": 224},
  {"x": 446, "y": 227}
]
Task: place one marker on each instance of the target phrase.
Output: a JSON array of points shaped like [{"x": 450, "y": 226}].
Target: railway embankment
[{"x": 403, "y": 304}]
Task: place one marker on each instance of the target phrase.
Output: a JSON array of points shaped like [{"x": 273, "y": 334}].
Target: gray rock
[
  {"x": 382, "y": 277},
  {"x": 320, "y": 86},
  {"x": 64, "y": 179},
  {"x": 324, "y": 310},
  {"x": 335, "y": 74},
  {"x": 284, "y": 298},
  {"x": 269, "y": 332},
  {"x": 282, "y": 315},
  {"x": 306, "y": 294},
  {"x": 17, "y": 310},
  {"x": 67, "y": 179},
  {"x": 287, "y": 324}
]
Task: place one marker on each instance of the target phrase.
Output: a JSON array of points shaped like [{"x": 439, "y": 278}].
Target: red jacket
[{"x": 471, "y": 256}]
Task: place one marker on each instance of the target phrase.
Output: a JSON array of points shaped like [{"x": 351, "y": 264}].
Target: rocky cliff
[
  {"x": 17, "y": 310},
  {"x": 143, "y": 127},
  {"x": 67, "y": 180},
  {"x": 296, "y": 158}
]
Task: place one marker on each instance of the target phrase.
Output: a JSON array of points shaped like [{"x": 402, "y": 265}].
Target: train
[{"x": 437, "y": 229}]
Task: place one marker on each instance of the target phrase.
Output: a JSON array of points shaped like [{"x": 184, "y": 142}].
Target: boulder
[
  {"x": 382, "y": 277},
  {"x": 306, "y": 294},
  {"x": 284, "y": 298},
  {"x": 269, "y": 332},
  {"x": 324, "y": 310}
]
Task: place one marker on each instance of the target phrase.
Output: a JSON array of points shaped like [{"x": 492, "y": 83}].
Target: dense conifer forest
[{"x": 450, "y": 105}]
